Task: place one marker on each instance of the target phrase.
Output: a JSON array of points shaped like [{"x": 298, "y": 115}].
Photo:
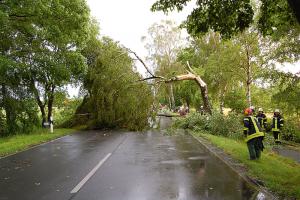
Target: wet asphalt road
[{"x": 139, "y": 166}]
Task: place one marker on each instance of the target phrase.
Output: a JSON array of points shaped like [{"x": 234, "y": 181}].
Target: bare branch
[
  {"x": 143, "y": 63},
  {"x": 152, "y": 77},
  {"x": 189, "y": 68}
]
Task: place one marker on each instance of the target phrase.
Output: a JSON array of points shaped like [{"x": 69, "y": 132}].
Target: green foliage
[
  {"x": 114, "y": 90},
  {"x": 276, "y": 17},
  {"x": 228, "y": 67},
  {"x": 163, "y": 43},
  {"x": 291, "y": 130},
  {"x": 235, "y": 99},
  {"x": 215, "y": 15},
  {"x": 66, "y": 110},
  {"x": 16, "y": 143},
  {"x": 187, "y": 92},
  {"x": 230, "y": 17},
  {"x": 216, "y": 124},
  {"x": 286, "y": 92},
  {"x": 39, "y": 54},
  {"x": 274, "y": 170}
]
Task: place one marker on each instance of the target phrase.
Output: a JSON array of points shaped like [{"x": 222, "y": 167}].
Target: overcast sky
[{"x": 127, "y": 21}]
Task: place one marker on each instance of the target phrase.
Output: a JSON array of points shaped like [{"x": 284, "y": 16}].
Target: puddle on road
[
  {"x": 202, "y": 175},
  {"x": 176, "y": 162},
  {"x": 198, "y": 158}
]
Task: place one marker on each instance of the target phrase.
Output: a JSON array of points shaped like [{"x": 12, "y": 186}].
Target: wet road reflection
[
  {"x": 154, "y": 166},
  {"x": 149, "y": 165}
]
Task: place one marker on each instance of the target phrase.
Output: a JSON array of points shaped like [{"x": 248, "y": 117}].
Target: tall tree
[
  {"x": 114, "y": 91},
  {"x": 249, "y": 60},
  {"x": 163, "y": 42},
  {"x": 45, "y": 37}
]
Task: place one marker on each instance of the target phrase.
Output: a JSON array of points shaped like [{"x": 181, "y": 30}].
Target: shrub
[
  {"x": 290, "y": 131},
  {"x": 216, "y": 124}
]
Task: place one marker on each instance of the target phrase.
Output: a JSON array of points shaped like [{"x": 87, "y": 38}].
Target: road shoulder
[{"x": 235, "y": 165}]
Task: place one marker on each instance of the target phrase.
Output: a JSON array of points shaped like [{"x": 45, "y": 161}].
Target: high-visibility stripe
[
  {"x": 246, "y": 119},
  {"x": 255, "y": 125},
  {"x": 254, "y": 135},
  {"x": 276, "y": 125},
  {"x": 257, "y": 134}
]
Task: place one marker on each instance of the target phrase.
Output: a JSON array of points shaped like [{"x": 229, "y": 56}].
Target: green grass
[
  {"x": 16, "y": 143},
  {"x": 281, "y": 175}
]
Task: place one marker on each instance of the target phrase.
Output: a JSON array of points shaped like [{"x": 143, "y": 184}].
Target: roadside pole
[{"x": 51, "y": 124}]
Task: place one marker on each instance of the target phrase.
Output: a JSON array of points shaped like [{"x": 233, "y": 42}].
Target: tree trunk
[
  {"x": 172, "y": 97},
  {"x": 170, "y": 102},
  {"x": 39, "y": 102},
  {"x": 50, "y": 102},
  {"x": 188, "y": 102},
  {"x": 9, "y": 111},
  {"x": 249, "y": 79},
  {"x": 222, "y": 99},
  {"x": 249, "y": 94},
  {"x": 202, "y": 85}
]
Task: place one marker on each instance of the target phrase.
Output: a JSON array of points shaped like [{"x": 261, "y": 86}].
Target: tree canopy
[
  {"x": 39, "y": 53},
  {"x": 230, "y": 17}
]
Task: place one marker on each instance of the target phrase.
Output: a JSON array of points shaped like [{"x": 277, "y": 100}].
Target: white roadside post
[{"x": 51, "y": 124}]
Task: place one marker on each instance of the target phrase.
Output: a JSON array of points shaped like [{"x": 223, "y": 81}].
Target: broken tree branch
[{"x": 191, "y": 75}]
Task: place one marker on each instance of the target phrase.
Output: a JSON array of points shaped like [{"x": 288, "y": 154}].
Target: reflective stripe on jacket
[
  {"x": 262, "y": 119},
  {"x": 277, "y": 123},
  {"x": 252, "y": 127}
]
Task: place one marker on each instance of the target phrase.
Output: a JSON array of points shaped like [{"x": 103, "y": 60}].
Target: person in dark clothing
[
  {"x": 261, "y": 118},
  {"x": 254, "y": 135},
  {"x": 277, "y": 124}
]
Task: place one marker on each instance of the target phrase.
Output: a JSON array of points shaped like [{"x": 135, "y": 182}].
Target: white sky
[{"x": 127, "y": 21}]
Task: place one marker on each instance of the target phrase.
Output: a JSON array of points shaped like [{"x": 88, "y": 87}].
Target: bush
[
  {"x": 231, "y": 125},
  {"x": 216, "y": 124},
  {"x": 290, "y": 131}
]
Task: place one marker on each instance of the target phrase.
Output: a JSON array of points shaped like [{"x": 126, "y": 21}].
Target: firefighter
[
  {"x": 261, "y": 118},
  {"x": 254, "y": 135},
  {"x": 277, "y": 124},
  {"x": 253, "y": 110}
]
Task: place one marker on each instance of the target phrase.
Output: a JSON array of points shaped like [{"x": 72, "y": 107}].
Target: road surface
[{"x": 119, "y": 165}]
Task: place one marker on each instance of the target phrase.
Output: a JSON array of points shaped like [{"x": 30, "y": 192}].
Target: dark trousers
[
  {"x": 276, "y": 135},
  {"x": 255, "y": 146}
]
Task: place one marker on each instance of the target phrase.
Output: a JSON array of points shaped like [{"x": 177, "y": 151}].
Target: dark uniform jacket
[
  {"x": 262, "y": 119},
  {"x": 253, "y": 130},
  {"x": 249, "y": 126},
  {"x": 277, "y": 123}
]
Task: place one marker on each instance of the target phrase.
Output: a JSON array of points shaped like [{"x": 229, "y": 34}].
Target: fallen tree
[{"x": 191, "y": 75}]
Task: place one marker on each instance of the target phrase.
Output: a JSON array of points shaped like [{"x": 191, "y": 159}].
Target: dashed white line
[{"x": 90, "y": 174}]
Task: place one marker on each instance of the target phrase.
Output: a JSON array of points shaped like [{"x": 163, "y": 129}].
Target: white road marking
[{"x": 92, "y": 172}]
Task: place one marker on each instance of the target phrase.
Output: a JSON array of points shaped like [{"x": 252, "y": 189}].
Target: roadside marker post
[{"x": 51, "y": 124}]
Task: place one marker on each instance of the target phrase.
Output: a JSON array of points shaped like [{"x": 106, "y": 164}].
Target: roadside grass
[
  {"x": 16, "y": 143},
  {"x": 281, "y": 175}
]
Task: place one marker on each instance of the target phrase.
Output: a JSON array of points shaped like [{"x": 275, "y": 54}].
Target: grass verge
[
  {"x": 281, "y": 175},
  {"x": 16, "y": 143}
]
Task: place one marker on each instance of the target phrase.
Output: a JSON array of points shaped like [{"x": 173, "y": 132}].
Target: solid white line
[{"x": 87, "y": 177}]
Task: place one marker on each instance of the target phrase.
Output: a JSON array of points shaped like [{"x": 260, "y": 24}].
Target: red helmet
[{"x": 248, "y": 111}]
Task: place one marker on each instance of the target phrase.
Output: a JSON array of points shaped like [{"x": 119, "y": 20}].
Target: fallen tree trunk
[
  {"x": 202, "y": 85},
  {"x": 191, "y": 75}
]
